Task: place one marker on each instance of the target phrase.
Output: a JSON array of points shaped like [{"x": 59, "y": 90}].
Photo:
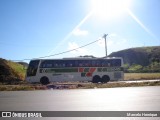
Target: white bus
[{"x": 75, "y": 69}]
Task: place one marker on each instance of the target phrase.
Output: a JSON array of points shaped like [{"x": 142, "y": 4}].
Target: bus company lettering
[
  {"x": 91, "y": 70},
  {"x": 109, "y": 69}
]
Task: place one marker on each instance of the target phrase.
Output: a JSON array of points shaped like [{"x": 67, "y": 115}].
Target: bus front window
[{"x": 32, "y": 68}]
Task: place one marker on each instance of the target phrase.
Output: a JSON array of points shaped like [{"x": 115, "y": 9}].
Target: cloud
[{"x": 79, "y": 32}]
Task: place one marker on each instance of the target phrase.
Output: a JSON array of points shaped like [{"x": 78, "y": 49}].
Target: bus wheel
[
  {"x": 105, "y": 79},
  {"x": 44, "y": 80},
  {"x": 96, "y": 79}
]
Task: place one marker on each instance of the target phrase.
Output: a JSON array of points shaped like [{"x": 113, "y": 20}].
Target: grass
[
  {"x": 121, "y": 84},
  {"x": 15, "y": 88},
  {"x": 75, "y": 86},
  {"x": 141, "y": 76},
  {"x": 18, "y": 69}
]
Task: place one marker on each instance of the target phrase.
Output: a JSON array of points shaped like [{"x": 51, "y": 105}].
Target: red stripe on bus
[
  {"x": 92, "y": 70},
  {"x": 81, "y": 70},
  {"x": 88, "y": 74}
]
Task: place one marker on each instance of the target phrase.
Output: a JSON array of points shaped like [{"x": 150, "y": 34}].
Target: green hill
[
  {"x": 143, "y": 59},
  {"x": 11, "y": 71},
  {"x": 25, "y": 65}
]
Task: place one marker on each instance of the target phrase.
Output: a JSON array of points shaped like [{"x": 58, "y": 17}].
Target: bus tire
[
  {"x": 44, "y": 80},
  {"x": 96, "y": 79},
  {"x": 105, "y": 79}
]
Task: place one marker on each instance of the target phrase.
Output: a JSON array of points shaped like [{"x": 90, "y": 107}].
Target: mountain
[
  {"x": 11, "y": 71},
  {"x": 141, "y": 55},
  {"x": 140, "y": 59}
]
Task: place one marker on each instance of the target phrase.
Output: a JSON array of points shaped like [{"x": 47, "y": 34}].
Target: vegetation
[
  {"x": 75, "y": 86},
  {"x": 15, "y": 87},
  {"x": 25, "y": 65},
  {"x": 135, "y": 68},
  {"x": 11, "y": 72},
  {"x": 141, "y": 76},
  {"x": 121, "y": 84},
  {"x": 140, "y": 60}
]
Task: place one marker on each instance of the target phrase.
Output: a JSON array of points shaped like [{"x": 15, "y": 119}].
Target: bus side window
[
  {"x": 93, "y": 63},
  {"x": 98, "y": 64},
  {"x": 80, "y": 64},
  {"x": 103, "y": 64},
  {"x": 76, "y": 64},
  {"x": 86, "y": 63},
  {"x": 55, "y": 64},
  {"x": 60, "y": 64},
  {"x": 43, "y": 64},
  {"x": 70, "y": 65},
  {"x": 89, "y": 63},
  {"x": 109, "y": 63},
  {"x": 63, "y": 65},
  {"x": 48, "y": 65},
  {"x": 118, "y": 62}
]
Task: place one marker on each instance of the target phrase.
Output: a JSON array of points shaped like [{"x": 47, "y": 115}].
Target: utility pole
[{"x": 104, "y": 36}]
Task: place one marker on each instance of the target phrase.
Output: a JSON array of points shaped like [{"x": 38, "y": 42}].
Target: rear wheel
[
  {"x": 44, "y": 80},
  {"x": 96, "y": 79},
  {"x": 105, "y": 79}
]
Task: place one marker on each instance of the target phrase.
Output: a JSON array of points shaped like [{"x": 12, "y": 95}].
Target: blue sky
[{"x": 36, "y": 28}]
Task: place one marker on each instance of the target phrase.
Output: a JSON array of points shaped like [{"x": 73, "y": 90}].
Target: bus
[{"x": 75, "y": 69}]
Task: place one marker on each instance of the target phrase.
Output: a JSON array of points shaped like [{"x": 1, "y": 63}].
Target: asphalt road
[{"x": 107, "y": 99}]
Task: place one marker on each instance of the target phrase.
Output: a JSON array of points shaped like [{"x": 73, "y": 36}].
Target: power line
[{"x": 60, "y": 52}]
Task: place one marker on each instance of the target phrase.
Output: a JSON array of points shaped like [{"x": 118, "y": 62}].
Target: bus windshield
[{"x": 32, "y": 68}]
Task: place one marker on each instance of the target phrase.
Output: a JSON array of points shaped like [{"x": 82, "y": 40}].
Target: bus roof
[{"x": 81, "y": 58}]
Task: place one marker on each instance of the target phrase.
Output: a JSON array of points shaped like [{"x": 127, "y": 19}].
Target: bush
[{"x": 135, "y": 68}]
